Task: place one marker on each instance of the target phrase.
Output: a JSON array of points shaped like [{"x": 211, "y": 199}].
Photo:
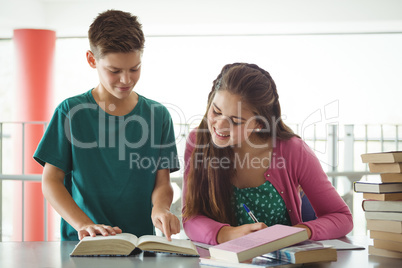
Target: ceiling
[{"x": 208, "y": 17}]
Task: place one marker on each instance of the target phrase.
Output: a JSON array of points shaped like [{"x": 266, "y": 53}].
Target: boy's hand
[
  {"x": 94, "y": 229},
  {"x": 165, "y": 221},
  {"x": 227, "y": 233}
]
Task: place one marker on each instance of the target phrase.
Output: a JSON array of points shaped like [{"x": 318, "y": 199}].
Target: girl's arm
[
  {"x": 334, "y": 218},
  {"x": 201, "y": 228}
]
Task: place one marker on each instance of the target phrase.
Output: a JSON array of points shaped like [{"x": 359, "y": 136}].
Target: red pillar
[{"x": 35, "y": 53}]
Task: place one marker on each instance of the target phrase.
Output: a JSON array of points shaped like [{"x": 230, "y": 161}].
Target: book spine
[
  {"x": 363, "y": 205},
  {"x": 354, "y": 187}
]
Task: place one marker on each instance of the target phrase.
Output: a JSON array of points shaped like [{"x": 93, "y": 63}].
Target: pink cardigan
[{"x": 293, "y": 163}]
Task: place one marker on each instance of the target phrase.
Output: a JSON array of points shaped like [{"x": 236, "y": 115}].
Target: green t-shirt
[
  {"x": 264, "y": 202},
  {"x": 110, "y": 162}
]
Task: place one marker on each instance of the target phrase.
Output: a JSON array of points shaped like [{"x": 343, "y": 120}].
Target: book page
[
  {"x": 111, "y": 245},
  {"x": 306, "y": 246},
  {"x": 124, "y": 236},
  {"x": 152, "y": 239},
  {"x": 339, "y": 244},
  {"x": 202, "y": 245}
]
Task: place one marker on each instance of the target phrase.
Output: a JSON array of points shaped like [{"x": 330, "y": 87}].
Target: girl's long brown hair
[{"x": 209, "y": 187}]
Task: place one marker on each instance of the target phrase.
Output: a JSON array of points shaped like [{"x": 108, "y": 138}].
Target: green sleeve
[
  {"x": 168, "y": 152},
  {"x": 55, "y": 147}
]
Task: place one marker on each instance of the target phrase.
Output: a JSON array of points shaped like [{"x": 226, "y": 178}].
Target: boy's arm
[
  {"x": 162, "y": 197},
  {"x": 57, "y": 195}
]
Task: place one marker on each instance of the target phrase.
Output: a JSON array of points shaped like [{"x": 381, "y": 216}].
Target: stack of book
[
  {"x": 275, "y": 245},
  {"x": 382, "y": 203}
]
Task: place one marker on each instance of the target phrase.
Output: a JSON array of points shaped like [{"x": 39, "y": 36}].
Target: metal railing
[
  {"x": 332, "y": 138},
  {"x": 22, "y": 177}
]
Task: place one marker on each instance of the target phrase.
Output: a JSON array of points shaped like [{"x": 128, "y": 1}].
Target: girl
[{"x": 243, "y": 153}]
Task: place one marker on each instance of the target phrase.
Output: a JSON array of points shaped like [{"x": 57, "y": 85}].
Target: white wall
[
  {"x": 20, "y": 14},
  {"x": 350, "y": 69}
]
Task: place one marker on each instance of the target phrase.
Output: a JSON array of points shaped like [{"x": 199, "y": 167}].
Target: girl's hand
[
  {"x": 305, "y": 227},
  {"x": 227, "y": 233},
  {"x": 94, "y": 229}
]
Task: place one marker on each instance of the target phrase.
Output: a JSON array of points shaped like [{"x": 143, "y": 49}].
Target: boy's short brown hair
[{"x": 115, "y": 31}]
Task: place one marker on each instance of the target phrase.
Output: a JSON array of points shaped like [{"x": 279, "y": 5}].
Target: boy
[{"x": 107, "y": 153}]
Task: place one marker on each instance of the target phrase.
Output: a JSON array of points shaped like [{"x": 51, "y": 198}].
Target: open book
[{"x": 124, "y": 244}]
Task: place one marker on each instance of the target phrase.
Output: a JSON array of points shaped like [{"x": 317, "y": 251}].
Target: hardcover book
[
  {"x": 305, "y": 252},
  {"x": 124, "y": 244},
  {"x": 384, "y": 225},
  {"x": 379, "y": 215},
  {"x": 377, "y": 187},
  {"x": 384, "y": 206},
  {"x": 384, "y": 252},
  {"x": 258, "y": 243},
  {"x": 386, "y": 236},
  {"x": 383, "y": 157},
  {"x": 388, "y": 245},
  {"x": 386, "y": 167},
  {"x": 391, "y": 177},
  {"x": 383, "y": 197}
]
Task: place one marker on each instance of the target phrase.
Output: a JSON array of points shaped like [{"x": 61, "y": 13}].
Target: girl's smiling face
[{"x": 230, "y": 121}]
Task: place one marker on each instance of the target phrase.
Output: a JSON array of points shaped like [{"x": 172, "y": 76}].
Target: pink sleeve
[
  {"x": 199, "y": 228},
  {"x": 334, "y": 219}
]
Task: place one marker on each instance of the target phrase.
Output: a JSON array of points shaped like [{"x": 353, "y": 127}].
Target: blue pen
[{"x": 250, "y": 213}]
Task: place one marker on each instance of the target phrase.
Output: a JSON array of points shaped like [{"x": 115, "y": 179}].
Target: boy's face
[{"x": 118, "y": 72}]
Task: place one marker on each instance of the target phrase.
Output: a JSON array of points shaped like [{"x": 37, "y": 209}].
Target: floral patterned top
[{"x": 264, "y": 202}]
